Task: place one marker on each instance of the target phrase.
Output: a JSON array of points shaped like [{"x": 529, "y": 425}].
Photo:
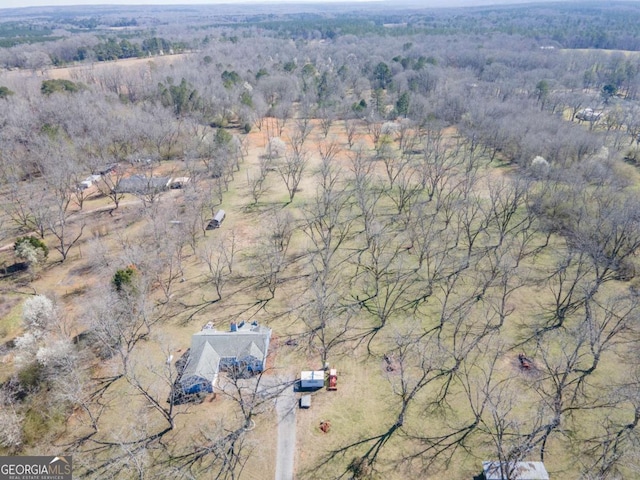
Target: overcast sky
[
  {"x": 40, "y": 3},
  {"x": 425, "y": 3}
]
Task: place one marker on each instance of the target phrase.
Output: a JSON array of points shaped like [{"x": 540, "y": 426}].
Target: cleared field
[{"x": 74, "y": 72}]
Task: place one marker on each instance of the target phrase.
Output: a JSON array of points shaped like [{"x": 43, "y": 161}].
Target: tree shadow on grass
[{"x": 17, "y": 267}]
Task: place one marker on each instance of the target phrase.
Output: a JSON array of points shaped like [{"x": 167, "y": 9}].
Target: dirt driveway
[{"x": 286, "y": 410}]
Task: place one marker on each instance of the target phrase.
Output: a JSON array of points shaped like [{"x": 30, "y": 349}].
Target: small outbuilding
[
  {"x": 514, "y": 471},
  {"x": 179, "y": 182},
  {"x": 312, "y": 379},
  {"x": 217, "y": 220},
  {"x": 83, "y": 185},
  {"x": 588, "y": 115},
  {"x": 87, "y": 182},
  {"x": 305, "y": 401},
  {"x": 106, "y": 169}
]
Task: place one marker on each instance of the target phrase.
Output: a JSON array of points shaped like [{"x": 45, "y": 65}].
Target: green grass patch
[
  {"x": 10, "y": 317},
  {"x": 40, "y": 421}
]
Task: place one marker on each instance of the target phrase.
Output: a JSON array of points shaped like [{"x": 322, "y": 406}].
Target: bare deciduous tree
[
  {"x": 291, "y": 170},
  {"x": 219, "y": 257}
]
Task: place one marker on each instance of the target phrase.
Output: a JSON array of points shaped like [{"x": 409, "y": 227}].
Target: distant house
[
  {"x": 514, "y": 471},
  {"x": 244, "y": 347},
  {"x": 87, "y": 182},
  {"x": 588, "y": 115},
  {"x": 179, "y": 182},
  {"x": 141, "y": 185},
  {"x": 106, "y": 169}
]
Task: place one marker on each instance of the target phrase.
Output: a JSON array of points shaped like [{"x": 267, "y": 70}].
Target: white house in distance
[
  {"x": 87, "y": 182},
  {"x": 514, "y": 471}
]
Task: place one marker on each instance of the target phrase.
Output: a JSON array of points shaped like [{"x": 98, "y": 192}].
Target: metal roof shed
[
  {"x": 217, "y": 220},
  {"x": 514, "y": 470}
]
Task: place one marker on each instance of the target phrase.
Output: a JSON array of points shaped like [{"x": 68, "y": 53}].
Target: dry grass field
[
  {"x": 74, "y": 72},
  {"x": 370, "y": 394}
]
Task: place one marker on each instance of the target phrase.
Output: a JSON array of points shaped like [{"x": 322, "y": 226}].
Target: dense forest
[{"x": 440, "y": 203}]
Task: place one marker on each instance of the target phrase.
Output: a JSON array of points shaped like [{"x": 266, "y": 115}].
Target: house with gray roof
[
  {"x": 141, "y": 184},
  {"x": 244, "y": 347},
  {"x": 514, "y": 470}
]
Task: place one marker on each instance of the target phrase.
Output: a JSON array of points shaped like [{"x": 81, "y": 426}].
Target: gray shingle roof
[
  {"x": 140, "y": 184},
  {"x": 209, "y": 346},
  {"x": 203, "y": 362},
  {"x": 518, "y": 470},
  {"x": 233, "y": 344}
]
